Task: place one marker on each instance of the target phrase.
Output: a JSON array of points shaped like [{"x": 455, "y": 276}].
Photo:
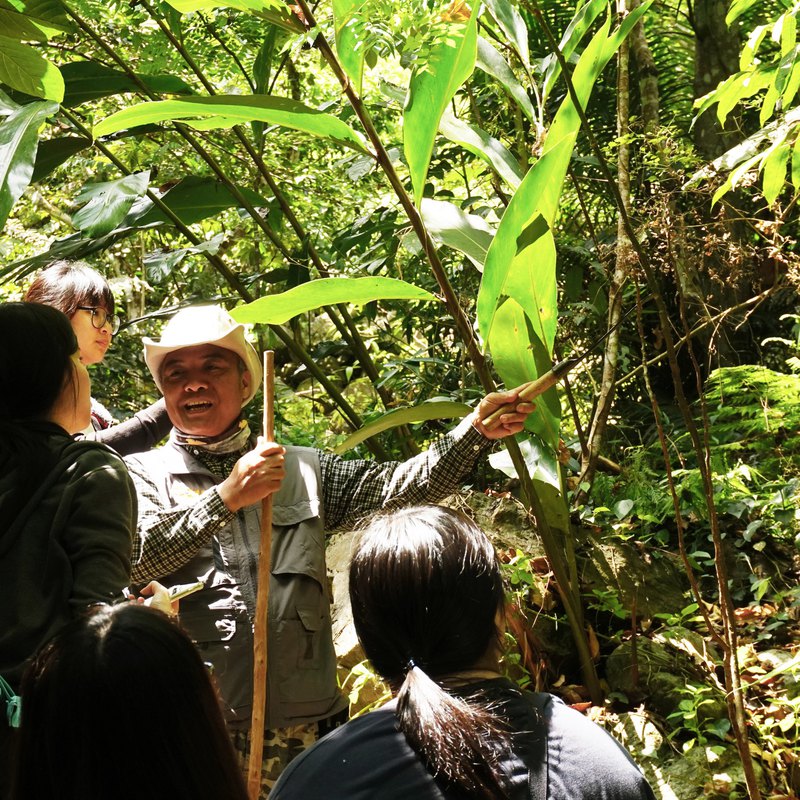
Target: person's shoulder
[
  {"x": 90, "y": 453},
  {"x": 586, "y": 761},
  {"x": 350, "y": 752},
  {"x": 148, "y": 459}
]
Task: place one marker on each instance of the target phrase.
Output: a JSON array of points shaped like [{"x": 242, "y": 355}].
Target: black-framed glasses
[{"x": 100, "y": 317}]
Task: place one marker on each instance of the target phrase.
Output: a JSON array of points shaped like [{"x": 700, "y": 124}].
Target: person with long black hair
[
  {"x": 428, "y": 600},
  {"x": 84, "y": 295},
  {"x": 67, "y": 507},
  {"x": 119, "y": 705}
]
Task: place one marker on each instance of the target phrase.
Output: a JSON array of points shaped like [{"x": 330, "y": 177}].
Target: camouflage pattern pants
[{"x": 281, "y": 745}]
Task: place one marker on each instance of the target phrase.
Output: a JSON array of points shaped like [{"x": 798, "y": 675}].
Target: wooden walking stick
[{"x": 260, "y": 630}]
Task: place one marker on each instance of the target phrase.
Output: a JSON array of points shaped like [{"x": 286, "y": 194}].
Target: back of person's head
[
  {"x": 120, "y": 705},
  {"x": 66, "y": 285},
  {"x": 427, "y": 595},
  {"x": 35, "y": 359}
]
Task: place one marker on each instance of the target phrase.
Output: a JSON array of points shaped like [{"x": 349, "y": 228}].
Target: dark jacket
[
  {"x": 556, "y": 754},
  {"x": 68, "y": 547}
]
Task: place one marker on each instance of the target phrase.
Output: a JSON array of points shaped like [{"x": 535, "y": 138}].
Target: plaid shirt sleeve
[
  {"x": 169, "y": 537},
  {"x": 352, "y": 488}
]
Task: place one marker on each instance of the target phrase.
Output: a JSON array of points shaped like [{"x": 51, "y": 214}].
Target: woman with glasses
[{"x": 85, "y": 297}]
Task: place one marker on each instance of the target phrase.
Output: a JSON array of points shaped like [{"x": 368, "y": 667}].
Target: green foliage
[
  {"x": 206, "y": 113},
  {"x": 433, "y": 83},
  {"x": 18, "y": 142},
  {"x": 768, "y": 79},
  {"x": 691, "y": 724}
]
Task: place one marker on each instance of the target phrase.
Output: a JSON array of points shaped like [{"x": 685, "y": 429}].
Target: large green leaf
[
  {"x": 513, "y": 26},
  {"x": 108, "y": 202},
  {"x": 54, "y": 152},
  {"x": 450, "y": 226},
  {"x": 433, "y": 84},
  {"x": 34, "y": 20},
  {"x": 275, "y": 12},
  {"x": 87, "y": 80},
  {"x": 432, "y": 409},
  {"x": 520, "y": 263},
  {"x": 527, "y": 272},
  {"x": 491, "y": 62},
  {"x": 481, "y": 144},
  {"x": 275, "y": 309},
  {"x": 518, "y": 364},
  {"x": 19, "y": 137},
  {"x": 774, "y": 171},
  {"x": 348, "y": 27},
  {"x": 542, "y": 467},
  {"x": 244, "y": 108},
  {"x": 22, "y": 68}
]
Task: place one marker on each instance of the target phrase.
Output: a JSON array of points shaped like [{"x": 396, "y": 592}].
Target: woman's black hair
[
  {"x": 35, "y": 362},
  {"x": 120, "y": 705},
  {"x": 426, "y": 592},
  {"x": 35, "y": 359},
  {"x": 65, "y": 285}
]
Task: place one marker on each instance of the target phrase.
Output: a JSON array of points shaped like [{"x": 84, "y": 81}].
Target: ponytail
[{"x": 460, "y": 740}]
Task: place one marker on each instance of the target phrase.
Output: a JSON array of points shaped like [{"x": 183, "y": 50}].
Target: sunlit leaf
[
  {"x": 275, "y": 309},
  {"x": 521, "y": 260},
  {"x": 491, "y": 62},
  {"x": 244, "y": 108},
  {"x": 519, "y": 355},
  {"x": 273, "y": 11},
  {"x": 737, "y": 8},
  {"x": 450, "y": 226},
  {"x": 481, "y": 144},
  {"x": 433, "y": 84},
  {"x": 347, "y": 30},
  {"x": 107, "y": 203},
  {"x": 33, "y": 20},
  {"x": 19, "y": 137},
  {"x": 513, "y": 26},
  {"x": 774, "y": 171},
  {"x": 23, "y": 69},
  {"x": 433, "y": 409}
]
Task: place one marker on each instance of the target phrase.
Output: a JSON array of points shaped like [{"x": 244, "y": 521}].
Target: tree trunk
[{"x": 716, "y": 56}]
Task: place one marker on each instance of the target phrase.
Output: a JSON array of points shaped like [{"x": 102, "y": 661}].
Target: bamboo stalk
[{"x": 260, "y": 630}]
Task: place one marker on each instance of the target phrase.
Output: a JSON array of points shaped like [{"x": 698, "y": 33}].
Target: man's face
[{"x": 203, "y": 388}]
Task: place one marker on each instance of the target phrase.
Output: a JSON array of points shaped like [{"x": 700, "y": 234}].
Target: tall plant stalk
[
  {"x": 624, "y": 260},
  {"x": 555, "y": 549}
]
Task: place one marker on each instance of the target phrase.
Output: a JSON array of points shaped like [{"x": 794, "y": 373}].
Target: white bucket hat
[{"x": 197, "y": 325}]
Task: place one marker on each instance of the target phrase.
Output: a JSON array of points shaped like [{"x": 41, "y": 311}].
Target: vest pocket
[{"x": 302, "y": 644}]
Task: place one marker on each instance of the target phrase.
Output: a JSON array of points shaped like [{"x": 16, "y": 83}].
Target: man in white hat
[{"x": 199, "y": 519}]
